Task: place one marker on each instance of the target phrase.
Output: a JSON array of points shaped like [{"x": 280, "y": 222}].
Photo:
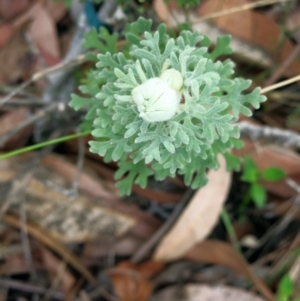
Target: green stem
[
  {"x": 42, "y": 144},
  {"x": 230, "y": 229},
  {"x": 187, "y": 15}
]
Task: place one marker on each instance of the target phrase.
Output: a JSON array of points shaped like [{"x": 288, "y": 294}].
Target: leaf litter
[{"x": 93, "y": 234}]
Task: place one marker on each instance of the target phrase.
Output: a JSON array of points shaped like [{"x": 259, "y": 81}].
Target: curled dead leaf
[
  {"x": 132, "y": 282},
  {"x": 217, "y": 252},
  {"x": 198, "y": 218}
]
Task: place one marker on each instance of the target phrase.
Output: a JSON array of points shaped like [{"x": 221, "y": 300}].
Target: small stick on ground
[
  {"x": 30, "y": 288},
  {"x": 25, "y": 239},
  {"x": 56, "y": 282},
  {"x": 274, "y": 135},
  {"x": 147, "y": 247},
  {"x": 283, "y": 66}
]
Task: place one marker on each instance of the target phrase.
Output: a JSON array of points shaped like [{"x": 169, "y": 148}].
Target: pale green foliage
[
  {"x": 286, "y": 289},
  {"x": 189, "y": 142}
]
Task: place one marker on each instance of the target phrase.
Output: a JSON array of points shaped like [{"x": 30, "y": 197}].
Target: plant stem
[
  {"x": 187, "y": 15},
  {"x": 42, "y": 144},
  {"x": 230, "y": 230}
]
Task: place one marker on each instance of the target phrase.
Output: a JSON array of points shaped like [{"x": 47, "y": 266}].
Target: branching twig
[
  {"x": 38, "y": 115},
  {"x": 283, "y": 66},
  {"x": 280, "y": 84},
  {"x": 56, "y": 282},
  {"x": 41, "y": 74},
  {"x": 274, "y": 135},
  {"x": 26, "y": 287}
]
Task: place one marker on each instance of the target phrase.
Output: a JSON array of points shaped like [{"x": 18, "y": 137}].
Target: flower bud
[
  {"x": 173, "y": 78},
  {"x": 156, "y": 100}
]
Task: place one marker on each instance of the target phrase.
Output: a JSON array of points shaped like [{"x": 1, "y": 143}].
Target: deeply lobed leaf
[{"x": 188, "y": 143}]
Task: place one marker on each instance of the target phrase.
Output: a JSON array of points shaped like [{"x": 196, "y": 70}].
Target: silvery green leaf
[
  {"x": 144, "y": 54},
  {"x": 137, "y": 129},
  {"x": 169, "y": 146},
  {"x": 149, "y": 69}
]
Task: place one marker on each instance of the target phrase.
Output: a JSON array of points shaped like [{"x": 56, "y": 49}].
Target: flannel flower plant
[{"x": 168, "y": 106}]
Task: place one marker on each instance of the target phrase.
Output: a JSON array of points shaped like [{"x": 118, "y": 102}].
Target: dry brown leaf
[
  {"x": 229, "y": 22},
  {"x": 216, "y": 252},
  {"x": 8, "y": 122},
  {"x": 198, "y": 218},
  {"x": 87, "y": 183},
  {"x": 131, "y": 282},
  {"x": 159, "y": 196},
  {"x": 70, "y": 221},
  {"x": 82, "y": 219},
  {"x": 163, "y": 12},
  {"x": 14, "y": 57},
  {"x": 145, "y": 225},
  {"x": 15, "y": 265},
  {"x": 56, "y": 9},
  {"x": 124, "y": 246},
  {"x": 194, "y": 292},
  {"x": 45, "y": 238},
  {"x": 253, "y": 27},
  {"x": 6, "y": 32},
  {"x": 43, "y": 32},
  {"x": 11, "y": 8}
]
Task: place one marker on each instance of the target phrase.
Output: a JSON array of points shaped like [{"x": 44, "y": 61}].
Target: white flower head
[
  {"x": 174, "y": 78},
  {"x": 156, "y": 100}
]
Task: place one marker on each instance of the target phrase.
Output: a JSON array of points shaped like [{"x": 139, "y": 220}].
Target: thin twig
[
  {"x": 15, "y": 92},
  {"x": 80, "y": 59},
  {"x": 283, "y": 66},
  {"x": 41, "y": 74},
  {"x": 100, "y": 291},
  {"x": 274, "y": 135},
  {"x": 230, "y": 229},
  {"x": 25, "y": 239},
  {"x": 30, "y": 288},
  {"x": 280, "y": 84},
  {"x": 293, "y": 185},
  {"x": 282, "y": 224},
  {"x": 38, "y": 115},
  {"x": 146, "y": 248},
  {"x": 80, "y": 164},
  {"x": 46, "y": 238},
  {"x": 24, "y": 102},
  {"x": 57, "y": 280}
]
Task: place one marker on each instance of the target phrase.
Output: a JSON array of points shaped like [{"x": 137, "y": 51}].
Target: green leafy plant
[
  {"x": 252, "y": 175},
  {"x": 286, "y": 289},
  {"x": 163, "y": 105}
]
